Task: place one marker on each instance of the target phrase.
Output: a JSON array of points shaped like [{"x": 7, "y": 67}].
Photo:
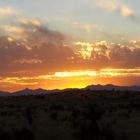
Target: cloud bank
[{"x": 30, "y": 48}]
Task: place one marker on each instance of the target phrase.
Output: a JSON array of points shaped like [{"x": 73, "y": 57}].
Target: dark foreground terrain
[{"x": 71, "y": 115}]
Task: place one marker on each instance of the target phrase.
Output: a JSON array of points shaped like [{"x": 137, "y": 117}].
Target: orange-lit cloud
[
  {"x": 40, "y": 49},
  {"x": 13, "y": 29},
  {"x": 35, "y": 54}
]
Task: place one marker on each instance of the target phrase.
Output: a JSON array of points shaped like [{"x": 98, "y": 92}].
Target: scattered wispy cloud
[
  {"x": 114, "y": 5},
  {"x": 109, "y": 5},
  {"x": 88, "y": 27},
  {"x": 26, "y": 21}
]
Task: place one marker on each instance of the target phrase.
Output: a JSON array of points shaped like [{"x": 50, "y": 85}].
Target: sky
[{"x": 69, "y": 44}]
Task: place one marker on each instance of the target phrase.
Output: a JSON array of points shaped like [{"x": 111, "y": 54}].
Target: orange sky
[
  {"x": 41, "y": 58},
  {"x": 68, "y": 44},
  {"x": 75, "y": 79}
]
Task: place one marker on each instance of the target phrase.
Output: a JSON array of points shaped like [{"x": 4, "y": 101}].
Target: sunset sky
[{"x": 69, "y": 43}]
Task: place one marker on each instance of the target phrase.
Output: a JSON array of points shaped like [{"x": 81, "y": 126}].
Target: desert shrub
[
  {"x": 123, "y": 136},
  {"x": 46, "y": 109},
  {"x": 85, "y": 123},
  {"x": 40, "y": 96},
  {"x": 4, "y": 135},
  {"x": 86, "y": 129},
  {"x": 110, "y": 109},
  {"x": 64, "y": 118},
  {"x": 114, "y": 122},
  {"x": 56, "y": 107},
  {"x": 108, "y": 134},
  {"x": 29, "y": 115},
  {"x": 4, "y": 113},
  {"x": 126, "y": 115},
  {"x": 54, "y": 115},
  {"x": 23, "y": 134},
  {"x": 94, "y": 112}
]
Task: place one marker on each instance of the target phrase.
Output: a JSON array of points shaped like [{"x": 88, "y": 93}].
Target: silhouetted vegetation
[{"x": 71, "y": 115}]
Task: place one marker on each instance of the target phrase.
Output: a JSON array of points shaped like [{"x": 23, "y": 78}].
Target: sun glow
[
  {"x": 81, "y": 75},
  {"x": 73, "y": 79},
  {"x": 75, "y": 74}
]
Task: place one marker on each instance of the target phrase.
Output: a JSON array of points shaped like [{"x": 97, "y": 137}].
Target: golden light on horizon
[{"x": 74, "y": 79}]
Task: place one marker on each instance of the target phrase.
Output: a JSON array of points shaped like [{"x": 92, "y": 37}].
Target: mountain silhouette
[
  {"x": 39, "y": 91},
  {"x": 3, "y": 93},
  {"x": 28, "y": 91},
  {"x": 113, "y": 87}
]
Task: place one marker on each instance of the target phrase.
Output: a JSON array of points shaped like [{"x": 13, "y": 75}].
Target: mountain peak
[{"x": 27, "y": 89}]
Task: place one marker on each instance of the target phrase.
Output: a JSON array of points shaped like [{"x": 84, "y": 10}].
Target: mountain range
[
  {"x": 39, "y": 91},
  {"x": 113, "y": 87}
]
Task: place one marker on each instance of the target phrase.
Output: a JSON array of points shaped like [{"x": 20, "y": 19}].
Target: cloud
[
  {"x": 28, "y": 61},
  {"x": 26, "y": 21},
  {"x": 13, "y": 29},
  {"x": 40, "y": 50},
  {"x": 126, "y": 11},
  {"x": 103, "y": 54},
  {"x": 86, "y": 27},
  {"x": 109, "y": 5},
  {"x": 115, "y": 5},
  {"x": 7, "y": 11}
]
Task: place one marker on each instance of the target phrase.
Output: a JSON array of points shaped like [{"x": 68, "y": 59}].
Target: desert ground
[{"x": 71, "y": 115}]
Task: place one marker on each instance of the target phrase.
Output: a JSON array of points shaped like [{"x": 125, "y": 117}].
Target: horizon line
[{"x": 70, "y": 88}]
